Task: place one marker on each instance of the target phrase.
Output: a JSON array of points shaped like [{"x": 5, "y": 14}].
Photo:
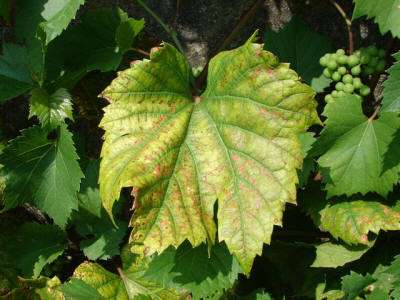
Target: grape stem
[
  {"x": 141, "y": 51},
  {"x": 375, "y": 113},
  {"x": 348, "y": 25},
  {"x": 171, "y": 32}
]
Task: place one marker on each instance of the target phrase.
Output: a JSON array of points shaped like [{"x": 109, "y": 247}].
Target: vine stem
[
  {"x": 375, "y": 113},
  {"x": 171, "y": 32},
  {"x": 348, "y": 25},
  {"x": 145, "y": 53},
  {"x": 242, "y": 22}
]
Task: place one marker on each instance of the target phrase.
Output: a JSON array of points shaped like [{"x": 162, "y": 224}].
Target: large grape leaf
[
  {"x": 15, "y": 75},
  {"x": 355, "y": 146},
  {"x": 206, "y": 273},
  {"x": 299, "y": 45},
  {"x": 98, "y": 42},
  {"x": 42, "y": 170},
  {"x": 385, "y": 12},
  {"x": 51, "y": 110},
  {"x": 237, "y": 142},
  {"x": 131, "y": 282},
  {"x": 57, "y": 15},
  {"x": 391, "y": 96},
  {"x": 31, "y": 246}
]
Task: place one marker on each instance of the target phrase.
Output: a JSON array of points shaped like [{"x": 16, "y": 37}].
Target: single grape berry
[
  {"x": 365, "y": 58},
  {"x": 341, "y": 94},
  {"x": 332, "y": 65},
  {"x": 353, "y": 60},
  {"x": 328, "y": 98},
  {"x": 339, "y": 86},
  {"x": 381, "y": 66},
  {"x": 342, "y": 70},
  {"x": 348, "y": 88},
  {"x": 323, "y": 61},
  {"x": 381, "y": 53},
  {"x": 336, "y": 76},
  {"x": 348, "y": 78},
  {"x": 372, "y": 50},
  {"x": 356, "y": 70},
  {"x": 369, "y": 70},
  {"x": 335, "y": 94},
  {"x": 342, "y": 59},
  {"x": 374, "y": 62},
  {"x": 357, "y": 83},
  {"x": 327, "y": 73},
  {"x": 365, "y": 90},
  {"x": 340, "y": 51}
]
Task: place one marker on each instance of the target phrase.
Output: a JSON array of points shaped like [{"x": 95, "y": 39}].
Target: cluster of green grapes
[{"x": 347, "y": 69}]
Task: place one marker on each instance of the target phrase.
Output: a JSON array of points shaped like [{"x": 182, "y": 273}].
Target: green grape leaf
[
  {"x": 79, "y": 51},
  {"x": 297, "y": 44},
  {"x": 42, "y": 170},
  {"x": 15, "y": 75},
  {"x": 129, "y": 284},
  {"x": 307, "y": 140},
  {"x": 57, "y": 15},
  {"x": 333, "y": 255},
  {"x": 76, "y": 289},
  {"x": 385, "y": 13},
  {"x": 51, "y": 110},
  {"x": 354, "y": 160},
  {"x": 355, "y": 283},
  {"x": 391, "y": 92},
  {"x": 31, "y": 246},
  {"x": 237, "y": 142},
  {"x": 205, "y": 273},
  {"x": 102, "y": 238},
  {"x": 352, "y": 220}
]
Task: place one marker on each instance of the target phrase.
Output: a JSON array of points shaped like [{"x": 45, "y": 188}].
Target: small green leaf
[
  {"x": 97, "y": 42},
  {"x": 32, "y": 246},
  {"x": 57, "y": 15},
  {"x": 237, "y": 142},
  {"x": 355, "y": 159},
  {"x": 43, "y": 171},
  {"x": 391, "y": 92},
  {"x": 51, "y": 110},
  {"x": 352, "y": 220},
  {"x": 15, "y": 76},
  {"x": 76, "y": 289},
  {"x": 386, "y": 14},
  {"x": 297, "y": 44},
  {"x": 332, "y": 255},
  {"x": 206, "y": 273},
  {"x": 354, "y": 284}
]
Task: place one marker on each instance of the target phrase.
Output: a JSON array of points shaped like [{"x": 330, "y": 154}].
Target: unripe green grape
[
  {"x": 339, "y": 86},
  {"x": 381, "y": 66},
  {"x": 372, "y": 50},
  {"x": 341, "y": 94},
  {"x": 327, "y": 73},
  {"x": 357, "y": 83},
  {"x": 368, "y": 70},
  {"x": 323, "y": 61},
  {"x": 342, "y": 70},
  {"x": 328, "y": 98},
  {"x": 356, "y": 70},
  {"x": 365, "y": 90},
  {"x": 347, "y": 78},
  {"x": 353, "y": 60},
  {"x": 332, "y": 65},
  {"x": 342, "y": 59},
  {"x": 348, "y": 88},
  {"x": 365, "y": 58},
  {"x": 374, "y": 62},
  {"x": 335, "y": 94},
  {"x": 381, "y": 53},
  {"x": 340, "y": 52},
  {"x": 336, "y": 76},
  {"x": 357, "y": 53}
]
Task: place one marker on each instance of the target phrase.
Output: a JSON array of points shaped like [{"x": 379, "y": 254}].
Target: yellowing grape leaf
[{"x": 237, "y": 142}]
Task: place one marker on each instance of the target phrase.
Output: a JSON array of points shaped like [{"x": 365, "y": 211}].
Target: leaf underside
[{"x": 237, "y": 142}]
